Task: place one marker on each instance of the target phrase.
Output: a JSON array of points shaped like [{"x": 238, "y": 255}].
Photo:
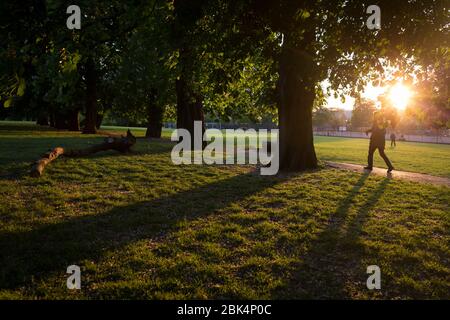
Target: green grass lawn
[
  {"x": 140, "y": 227},
  {"x": 407, "y": 156}
]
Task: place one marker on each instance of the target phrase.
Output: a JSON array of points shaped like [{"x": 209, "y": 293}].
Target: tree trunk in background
[
  {"x": 155, "y": 117},
  {"x": 99, "y": 120},
  {"x": 73, "y": 120},
  {"x": 52, "y": 119},
  {"x": 42, "y": 118},
  {"x": 90, "y": 125},
  {"x": 189, "y": 109},
  {"x": 154, "y": 127},
  {"x": 60, "y": 121},
  {"x": 296, "y": 96},
  {"x": 3, "y": 111},
  {"x": 189, "y": 102}
]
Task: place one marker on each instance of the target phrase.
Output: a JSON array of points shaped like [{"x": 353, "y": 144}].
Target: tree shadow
[
  {"x": 334, "y": 257},
  {"x": 51, "y": 248}
]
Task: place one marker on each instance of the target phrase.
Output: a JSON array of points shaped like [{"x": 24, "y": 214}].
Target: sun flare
[{"x": 399, "y": 95}]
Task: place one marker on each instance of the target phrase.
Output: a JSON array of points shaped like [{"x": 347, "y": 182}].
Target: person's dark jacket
[{"x": 378, "y": 137}]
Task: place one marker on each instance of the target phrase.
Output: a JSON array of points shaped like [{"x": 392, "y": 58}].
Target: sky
[{"x": 399, "y": 95}]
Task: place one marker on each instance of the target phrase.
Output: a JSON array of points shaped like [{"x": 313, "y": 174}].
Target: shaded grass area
[{"x": 140, "y": 227}]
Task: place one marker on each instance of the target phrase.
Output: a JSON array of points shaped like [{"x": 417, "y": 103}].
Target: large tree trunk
[
  {"x": 73, "y": 120},
  {"x": 296, "y": 97},
  {"x": 189, "y": 103},
  {"x": 90, "y": 125},
  {"x": 155, "y": 117},
  {"x": 189, "y": 108}
]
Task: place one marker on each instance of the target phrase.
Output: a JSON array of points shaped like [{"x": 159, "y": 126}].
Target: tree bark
[
  {"x": 42, "y": 118},
  {"x": 73, "y": 120},
  {"x": 90, "y": 125},
  {"x": 60, "y": 121},
  {"x": 154, "y": 127},
  {"x": 189, "y": 108},
  {"x": 189, "y": 103},
  {"x": 155, "y": 116},
  {"x": 39, "y": 166},
  {"x": 296, "y": 96}
]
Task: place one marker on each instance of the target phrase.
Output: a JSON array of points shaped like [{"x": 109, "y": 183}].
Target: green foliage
[
  {"x": 227, "y": 52},
  {"x": 8, "y": 102},
  {"x": 322, "y": 117},
  {"x": 145, "y": 75},
  {"x": 250, "y": 94},
  {"x": 344, "y": 50}
]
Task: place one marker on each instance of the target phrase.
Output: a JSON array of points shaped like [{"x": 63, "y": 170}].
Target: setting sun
[{"x": 399, "y": 95}]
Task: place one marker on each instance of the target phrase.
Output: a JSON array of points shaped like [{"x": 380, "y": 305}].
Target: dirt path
[{"x": 404, "y": 175}]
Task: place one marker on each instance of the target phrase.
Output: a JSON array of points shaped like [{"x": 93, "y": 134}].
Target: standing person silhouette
[
  {"x": 378, "y": 140},
  {"x": 393, "y": 141}
]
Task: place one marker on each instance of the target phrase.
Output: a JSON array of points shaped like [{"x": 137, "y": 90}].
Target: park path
[{"x": 403, "y": 175}]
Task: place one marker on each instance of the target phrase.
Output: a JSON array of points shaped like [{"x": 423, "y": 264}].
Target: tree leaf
[
  {"x": 21, "y": 88},
  {"x": 8, "y": 102}
]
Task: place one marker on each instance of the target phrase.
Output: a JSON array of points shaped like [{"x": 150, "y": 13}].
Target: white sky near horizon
[{"x": 370, "y": 92}]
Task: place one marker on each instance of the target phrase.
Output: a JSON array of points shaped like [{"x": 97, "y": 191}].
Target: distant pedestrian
[
  {"x": 393, "y": 142},
  {"x": 378, "y": 140}
]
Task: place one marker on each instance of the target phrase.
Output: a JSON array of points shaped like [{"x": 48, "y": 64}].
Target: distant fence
[
  {"x": 407, "y": 137},
  {"x": 330, "y": 133},
  {"x": 225, "y": 125}
]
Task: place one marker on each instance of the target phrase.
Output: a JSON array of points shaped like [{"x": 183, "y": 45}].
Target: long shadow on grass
[
  {"x": 334, "y": 258},
  {"x": 51, "y": 248}
]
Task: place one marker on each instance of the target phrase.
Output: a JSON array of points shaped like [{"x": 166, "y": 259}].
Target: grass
[
  {"x": 407, "y": 156},
  {"x": 419, "y": 157},
  {"x": 140, "y": 227}
]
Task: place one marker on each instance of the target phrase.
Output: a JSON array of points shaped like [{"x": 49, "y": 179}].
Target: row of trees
[
  {"x": 253, "y": 58},
  {"x": 425, "y": 113},
  {"x": 329, "y": 118}
]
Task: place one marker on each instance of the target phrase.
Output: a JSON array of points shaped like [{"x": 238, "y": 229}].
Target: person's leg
[
  {"x": 385, "y": 158},
  {"x": 370, "y": 157}
]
